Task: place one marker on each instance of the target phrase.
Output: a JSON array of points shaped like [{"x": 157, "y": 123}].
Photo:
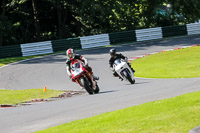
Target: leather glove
[
  {"x": 126, "y": 59},
  {"x": 70, "y": 76},
  {"x": 86, "y": 65},
  {"x": 111, "y": 68}
]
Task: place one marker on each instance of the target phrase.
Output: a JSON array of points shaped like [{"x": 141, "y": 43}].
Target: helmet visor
[
  {"x": 112, "y": 54},
  {"x": 71, "y": 55}
]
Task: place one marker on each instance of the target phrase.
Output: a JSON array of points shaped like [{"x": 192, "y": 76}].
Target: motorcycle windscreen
[
  {"x": 117, "y": 61},
  {"x": 125, "y": 71},
  {"x": 76, "y": 69}
]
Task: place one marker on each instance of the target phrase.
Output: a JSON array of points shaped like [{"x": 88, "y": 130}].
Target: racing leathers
[
  {"x": 69, "y": 62},
  {"x": 118, "y": 56},
  {"x": 78, "y": 57}
]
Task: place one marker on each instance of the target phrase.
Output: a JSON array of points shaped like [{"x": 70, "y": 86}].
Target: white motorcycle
[{"x": 123, "y": 70}]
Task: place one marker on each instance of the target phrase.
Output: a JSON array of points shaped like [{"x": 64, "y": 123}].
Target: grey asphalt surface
[
  {"x": 195, "y": 130},
  {"x": 50, "y": 71}
]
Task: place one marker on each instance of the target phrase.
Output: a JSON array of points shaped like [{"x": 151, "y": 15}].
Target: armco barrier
[
  {"x": 10, "y": 51},
  {"x": 95, "y": 41},
  {"x": 36, "y": 48},
  {"x": 174, "y": 30},
  {"x": 193, "y": 28},
  {"x": 98, "y": 40},
  {"x": 149, "y": 34},
  {"x": 124, "y": 36},
  {"x": 64, "y": 44}
]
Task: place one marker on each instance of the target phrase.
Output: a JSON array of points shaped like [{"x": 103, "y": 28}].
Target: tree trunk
[
  {"x": 61, "y": 20},
  {"x": 78, "y": 18},
  {"x": 1, "y": 41},
  {"x": 36, "y": 19},
  {"x": 2, "y": 17},
  {"x": 78, "y": 27},
  {"x": 3, "y": 7}
]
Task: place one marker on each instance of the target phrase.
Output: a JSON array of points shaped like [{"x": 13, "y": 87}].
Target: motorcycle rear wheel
[
  {"x": 97, "y": 89},
  {"x": 87, "y": 86}
]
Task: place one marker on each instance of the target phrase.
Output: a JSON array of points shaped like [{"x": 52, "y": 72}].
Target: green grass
[
  {"x": 182, "y": 63},
  {"x": 6, "y": 61},
  {"x": 19, "y": 96},
  {"x": 175, "y": 115}
]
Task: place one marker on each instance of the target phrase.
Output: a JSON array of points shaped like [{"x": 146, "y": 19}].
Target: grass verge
[
  {"x": 19, "y": 96},
  {"x": 6, "y": 61},
  {"x": 181, "y": 63},
  {"x": 175, "y": 115}
]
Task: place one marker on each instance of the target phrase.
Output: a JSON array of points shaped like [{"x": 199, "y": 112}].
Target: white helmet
[{"x": 70, "y": 53}]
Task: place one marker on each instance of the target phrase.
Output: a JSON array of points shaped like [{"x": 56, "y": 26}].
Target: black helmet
[{"x": 112, "y": 52}]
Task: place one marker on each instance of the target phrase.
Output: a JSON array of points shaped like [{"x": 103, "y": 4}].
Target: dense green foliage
[{"x": 25, "y": 21}]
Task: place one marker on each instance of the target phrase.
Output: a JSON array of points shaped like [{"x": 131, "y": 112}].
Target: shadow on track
[
  {"x": 102, "y": 92},
  {"x": 136, "y": 83}
]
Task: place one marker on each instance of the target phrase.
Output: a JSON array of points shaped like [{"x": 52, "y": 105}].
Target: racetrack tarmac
[{"x": 114, "y": 94}]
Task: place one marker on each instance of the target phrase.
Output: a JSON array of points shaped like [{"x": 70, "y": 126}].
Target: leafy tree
[
  {"x": 25, "y": 21},
  {"x": 5, "y": 24},
  {"x": 188, "y": 10}
]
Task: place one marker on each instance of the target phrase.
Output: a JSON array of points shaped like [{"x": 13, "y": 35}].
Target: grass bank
[
  {"x": 20, "y": 96},
  {"x": 6, "y": 61},
  {"x": 175, "y": 115},
  {"x": 181, "y": 63}
]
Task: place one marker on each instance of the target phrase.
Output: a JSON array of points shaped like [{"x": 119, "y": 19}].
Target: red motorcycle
[{"x": 81, "y": 76}]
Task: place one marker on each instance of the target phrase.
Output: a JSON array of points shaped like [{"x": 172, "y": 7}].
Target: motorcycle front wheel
[{"x": 128, "y": 77}]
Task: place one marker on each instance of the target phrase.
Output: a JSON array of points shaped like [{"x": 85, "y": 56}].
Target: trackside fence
[
  {"x": 94, "y": 41},
  {"x": 169, "y": 31},
  {"x": 36, "y": 48},
  {"x": 124, "y": 36},
  {"x": 85, "y": 42},
  {"x": 10, "y": 51},
  {"x": 63, "y": 44},
  {"x": 149, "y": 34},
  {"x": 193, "y": 28}
]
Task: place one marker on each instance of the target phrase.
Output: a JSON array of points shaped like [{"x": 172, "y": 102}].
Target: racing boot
[
  {"x": 81, "y": 88},
  {"x": 131, "y": 67},
  {"x": 121, "y": 78},
  {"x": 95, "y": 77},
  {"x": 132, "y": 70}
]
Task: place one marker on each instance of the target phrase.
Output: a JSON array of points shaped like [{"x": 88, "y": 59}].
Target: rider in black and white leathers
[{"x": 115, "y": 56}]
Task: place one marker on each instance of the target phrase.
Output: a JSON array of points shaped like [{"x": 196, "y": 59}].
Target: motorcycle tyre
[
  {"x": 128, "y": 77},
  {"x": 97, "y": 89},
  {"x": 86, "y": 86}
]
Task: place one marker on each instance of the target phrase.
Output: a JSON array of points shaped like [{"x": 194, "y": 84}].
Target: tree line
[{"x": 26, "y": 21}]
